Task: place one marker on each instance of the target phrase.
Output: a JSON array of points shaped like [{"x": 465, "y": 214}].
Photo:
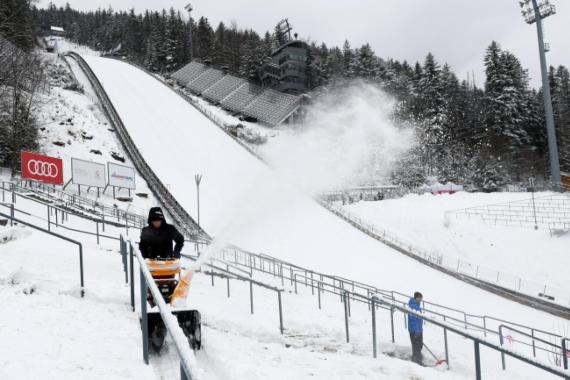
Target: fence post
[
  {"x": 97, "y": 231},
  {"x": 533, "y": 344},
  {"x": 251, "y": 295},
  {"x": 346, "y": 316},
  {"x": 144, "y": 322},
  {"x": 228, "y": 281},
  {"x": 501, "y": 340},
  {"x": 446, "y": 348},
  {"x": 132, "y": 277},
  {"x": 392, "y": 324},
  {"x": 565, "y": 352},
  {"x": 48, "y": 219},
  {"x": 319, "y": 284},
  {"x": 81, "y": 270},
  {"x": 373, "y": 302},
  {"x": 280, "y": 311},
  {"x": 477, "y": 362}
]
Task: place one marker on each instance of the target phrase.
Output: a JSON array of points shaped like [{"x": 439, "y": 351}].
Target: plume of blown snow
[{"x": 348, "y": 138}]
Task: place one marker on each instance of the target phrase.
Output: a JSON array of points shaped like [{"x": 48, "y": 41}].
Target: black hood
[{"x": 155, "y": 213}]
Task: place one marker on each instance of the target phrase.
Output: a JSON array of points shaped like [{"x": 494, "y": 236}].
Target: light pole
[
  {"x": 533, "y": 12},
  {"x": 198, "y": 178},
  {"x": 189, "y": 8}
]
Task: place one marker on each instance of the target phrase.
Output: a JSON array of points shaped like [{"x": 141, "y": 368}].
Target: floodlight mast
[
  {"x": 535, "y": 13},
  {"x": 189, "y": 8}
]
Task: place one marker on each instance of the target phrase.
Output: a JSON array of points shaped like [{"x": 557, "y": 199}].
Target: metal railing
[
  {"x": 188, "y": 366},
  {"x": 295, "y": 275},
  {"x": 75, "y": 203},
  {"x": 79, "y": 245}
]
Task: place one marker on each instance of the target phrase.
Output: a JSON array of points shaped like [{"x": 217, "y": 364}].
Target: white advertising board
[
  {"x": 121, "y": 176},
  {"x": 87, "y": 173}
]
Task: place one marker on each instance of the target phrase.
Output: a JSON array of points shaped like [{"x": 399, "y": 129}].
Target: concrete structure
[{"x": 286, "y": 69}]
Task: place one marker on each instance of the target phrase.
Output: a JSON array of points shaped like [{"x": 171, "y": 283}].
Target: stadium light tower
[
  {"x": 535, "y": 11},
  {"x": 189, "y": 8}
]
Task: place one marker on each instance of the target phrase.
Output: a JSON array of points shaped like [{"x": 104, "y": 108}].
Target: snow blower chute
[{"x": 174, "y": 290}]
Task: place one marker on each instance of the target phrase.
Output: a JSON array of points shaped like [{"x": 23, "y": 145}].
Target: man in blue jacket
[{"x": 415, "y": 327}]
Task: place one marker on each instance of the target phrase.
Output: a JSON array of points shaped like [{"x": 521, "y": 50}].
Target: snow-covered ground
[
  {"x": 48, "y": 330},
  {"x": 533, "y": 255},
  {"x": 245, "y": 202}
]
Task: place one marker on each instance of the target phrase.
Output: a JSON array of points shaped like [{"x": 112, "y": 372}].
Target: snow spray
[{"x": 347, "y": 138}]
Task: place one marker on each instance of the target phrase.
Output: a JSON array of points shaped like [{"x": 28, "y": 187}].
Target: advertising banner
[
  {"x": 121, "y": 176},
  {"x": 87, "y": 173},
  {"x": 42, "y": 168}
]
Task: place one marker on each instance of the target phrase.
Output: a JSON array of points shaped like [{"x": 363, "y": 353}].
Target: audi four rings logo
[{"x": 43, "y": 169}]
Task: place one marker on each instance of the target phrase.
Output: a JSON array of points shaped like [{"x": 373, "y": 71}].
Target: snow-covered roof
[{"x": 56, "y": 29}]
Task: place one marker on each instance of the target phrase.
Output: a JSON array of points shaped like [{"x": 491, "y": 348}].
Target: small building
[
  {"x": 286, "y": 69},
  {"x": 57, "y": 31}
]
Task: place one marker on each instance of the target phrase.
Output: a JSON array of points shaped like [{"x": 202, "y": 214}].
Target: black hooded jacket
[{"x": 157, "y": 243}]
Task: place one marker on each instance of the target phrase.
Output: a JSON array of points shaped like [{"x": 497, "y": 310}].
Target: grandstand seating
[
  {"x": 222, "y": 88},
  {"x": 272, "y": 107},
  {"x": 205, "y": 80},
  {"x": 189, "y": 72},
  {"x": 237, "y": 95},
  {"x": 241, "y": 97}
]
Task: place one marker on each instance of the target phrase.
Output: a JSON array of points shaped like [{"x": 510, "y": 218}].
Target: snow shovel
[{"x": 438, "y": 361}]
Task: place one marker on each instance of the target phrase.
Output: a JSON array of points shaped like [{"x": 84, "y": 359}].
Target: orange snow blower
[{"x": 174, "y": 289}]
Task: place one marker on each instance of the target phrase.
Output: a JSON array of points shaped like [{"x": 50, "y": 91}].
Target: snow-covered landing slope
[
  {"x": 47, "y": 330},
  {"x": 244, "y": 201}
]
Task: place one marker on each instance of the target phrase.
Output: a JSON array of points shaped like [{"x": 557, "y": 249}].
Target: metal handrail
[
  {"x": 187, "y": 358},
  {"x": 31, "y": 225},
  {"x": 478, "y": 341}
]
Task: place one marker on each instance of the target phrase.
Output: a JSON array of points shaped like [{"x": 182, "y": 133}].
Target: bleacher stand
[
  {"x": 237, "y": 95},
  {"x": 205, "y": 81},
  {"x": 272, "y": 107},
  {"x": 222, "y": 88},
  {"x": 241, "y": 97},
  {"x": 188, "y": 73}
]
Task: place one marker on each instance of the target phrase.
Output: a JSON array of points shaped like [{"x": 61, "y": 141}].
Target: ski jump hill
[{"x": 243, "y": 201}]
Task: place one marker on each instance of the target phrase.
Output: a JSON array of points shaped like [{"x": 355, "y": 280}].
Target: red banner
[{"x": 42, "y": 168}]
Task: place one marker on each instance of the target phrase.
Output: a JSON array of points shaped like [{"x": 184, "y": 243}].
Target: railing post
[
  {"x": 477, "y": 362},
  {"x": 48, "y": 219},
  {"x": 565, "y": 352},
  {"x": 251, "y": 295},
  {"x": 501, "y": 340},
  {"x": 280, "y": 311},
  {"x": 144, "y": 317},
  {"x": 446, "y": 348},
  {"x": 81, "y": 270},
  {"x": 392, "y": 324},
  {"x": 373, "y": 302},
  {"x": 131, "y": 262},
  {"x": 346, "y": 316},
  {"x": 533, "y": 344},
  {"x": 228, "y": 281},
  {"x": 97, "y": 231},
  {"x": 319, "y": 284}
]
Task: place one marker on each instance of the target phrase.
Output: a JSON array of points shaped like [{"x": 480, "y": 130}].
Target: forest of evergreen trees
[{"x": 486, "y": 137}]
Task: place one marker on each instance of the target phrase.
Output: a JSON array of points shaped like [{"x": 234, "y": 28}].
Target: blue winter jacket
[{"x": 415, "y": 324}]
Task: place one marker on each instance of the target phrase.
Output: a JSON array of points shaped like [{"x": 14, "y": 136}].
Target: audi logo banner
[
  {"x": 42, "y": 168},
  {"x": 87, "y": 173}
]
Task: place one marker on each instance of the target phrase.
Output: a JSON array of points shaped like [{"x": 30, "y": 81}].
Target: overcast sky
[{"x": 456, "y": 31}]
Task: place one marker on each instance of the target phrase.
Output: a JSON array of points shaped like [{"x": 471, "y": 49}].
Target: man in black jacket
[{"x": 157, "y": 237}]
